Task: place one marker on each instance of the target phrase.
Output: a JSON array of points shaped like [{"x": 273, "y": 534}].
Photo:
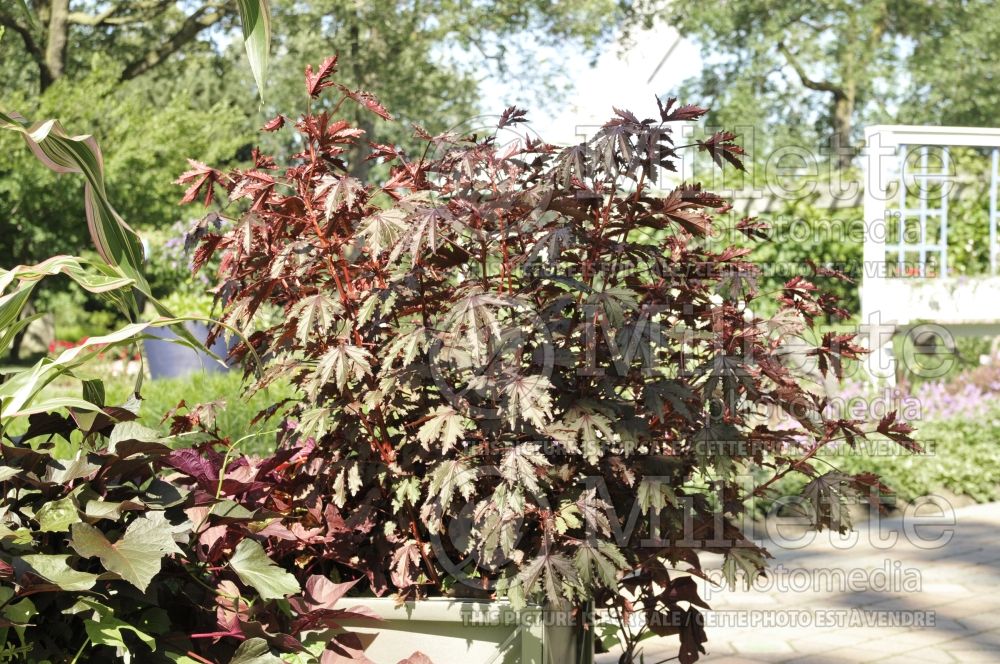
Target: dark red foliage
[
  {"x": 201, "y": 178},
  {"x": 499, "y": 352},
  {"x": 316, "y": 83}
]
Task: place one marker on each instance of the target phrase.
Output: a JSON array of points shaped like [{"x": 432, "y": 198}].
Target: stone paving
[{"x": 865, "y": 597}]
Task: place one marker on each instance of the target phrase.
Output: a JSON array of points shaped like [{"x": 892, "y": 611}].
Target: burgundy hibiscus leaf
[
  {"x": 317, "y": 82},
  {"x": 201, "y": 180},
  {"x": 368, "y": 100},
  {"x": 722, "y": 146}
]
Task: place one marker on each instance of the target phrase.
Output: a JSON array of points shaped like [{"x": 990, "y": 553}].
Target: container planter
[
  {"x": 168, "y": 359},
  {"x": 469, "y": 631}
]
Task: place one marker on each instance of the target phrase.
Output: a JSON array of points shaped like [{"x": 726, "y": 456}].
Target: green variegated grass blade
[
  {"x": 94, "y": 276},
  {"x": 118, "y": 245},
  {"x": 19, "y": 392},
  {"x": 255, "y": 16},
  {"x": 11, "y": 306},
  {"x": 104, "y": 280},
  {"x": 114, "y": 240},
  {"x": 21, "y": 388},
  {"x": 55, "y": 403},
  {"x": 7, "y": 334}
]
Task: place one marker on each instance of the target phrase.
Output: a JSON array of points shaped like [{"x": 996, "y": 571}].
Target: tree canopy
[
  {"x": 158, "y": 81},
  {"x": 820, "y": 70}
]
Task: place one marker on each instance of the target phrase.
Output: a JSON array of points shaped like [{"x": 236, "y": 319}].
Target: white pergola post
[
  {"x": 879, "y": 149},
  {"x": 890, "y": 302}
]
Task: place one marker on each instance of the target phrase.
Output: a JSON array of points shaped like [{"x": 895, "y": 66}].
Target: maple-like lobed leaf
[
  {"x": 275, "y": 123},
  {"x": 444, "y": 425},
  {"x": 340, "y": 193},
  {"x": 366, "y": 100},
  {"x": 683, "y": 113},
  {"x": 405, "y": 565},
  {"x": 721, "y": 146},
  {"x": 201, "y": 180},
  {"x": 511, "y": 115},
  {"x": 898, "y": 431},
  {"x": 320, "y": 80}
]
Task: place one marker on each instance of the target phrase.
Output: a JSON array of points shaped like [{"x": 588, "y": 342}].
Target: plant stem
[
  {"x": 80, "y": 651},
  {"x": 229, "y": 451}
]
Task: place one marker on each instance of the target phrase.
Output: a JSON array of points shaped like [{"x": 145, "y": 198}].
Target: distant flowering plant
[
  {"x": 169, "y": 261},
  {"x": 969, "y": 394},
  {"x": 117, "y": 352}
]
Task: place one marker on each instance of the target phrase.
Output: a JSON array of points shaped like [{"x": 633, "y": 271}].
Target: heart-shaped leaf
[
  {"x": 255, "y": 569},
  {"x": 136, "y": 556},
  {"x": 56, "y": 570}
]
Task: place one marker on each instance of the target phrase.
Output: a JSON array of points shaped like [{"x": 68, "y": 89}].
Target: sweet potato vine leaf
[
  {"x": 255, "y": 569},
  {"x": 55, "y": 569},
  {"x": 254, "y": 651},
  {"x": 416, "y": 658},
  {"x": 136, "y": 556}
]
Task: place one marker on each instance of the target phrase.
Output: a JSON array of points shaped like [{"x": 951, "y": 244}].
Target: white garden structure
[{"x": 907, "y": 283}]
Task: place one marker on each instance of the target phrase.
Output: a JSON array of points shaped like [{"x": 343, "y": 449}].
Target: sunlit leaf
[
  {"x": 255, "y": 569},
  {"x": 55, "y": 569},
  {"x": 136, "y": 556},
  {"x": 58, "y": 515},
  {"x": 255, "y": 17}
]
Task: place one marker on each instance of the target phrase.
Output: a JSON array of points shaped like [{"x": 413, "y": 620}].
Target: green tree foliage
[
  {"x": 157, "y": 81},
  {"x": 820, "y": 70},
  {"x": 426, "y": 61},
  {"x": 151, "y": 79},
  {"x": 152, "y": 128},
  {"x": 808, "y": 76},
  {"x": 114, "y": 68},
  {"x": 953, "y": 65}
]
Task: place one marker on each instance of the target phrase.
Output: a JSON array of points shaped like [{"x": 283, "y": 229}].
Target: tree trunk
[
  {"x": 843, "y": 111},
  {"x": 57, "y": 39},
  {"x": 358, "y": 165}
]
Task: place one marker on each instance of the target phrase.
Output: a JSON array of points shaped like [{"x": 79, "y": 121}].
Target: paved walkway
[{"x": 867, "y": 599}]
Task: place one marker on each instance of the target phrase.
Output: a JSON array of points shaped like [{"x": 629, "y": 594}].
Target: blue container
[{"x": 170, "y": 360}]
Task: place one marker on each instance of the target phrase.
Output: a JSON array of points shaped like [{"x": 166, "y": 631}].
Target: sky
[{"x": 656, "y": 64}]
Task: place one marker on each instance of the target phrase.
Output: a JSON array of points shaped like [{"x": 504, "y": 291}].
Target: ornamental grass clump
[{"x": 523, "y": 371}]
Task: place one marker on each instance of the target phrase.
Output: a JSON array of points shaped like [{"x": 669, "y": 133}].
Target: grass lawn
[{"x": 160, "y": 396}]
